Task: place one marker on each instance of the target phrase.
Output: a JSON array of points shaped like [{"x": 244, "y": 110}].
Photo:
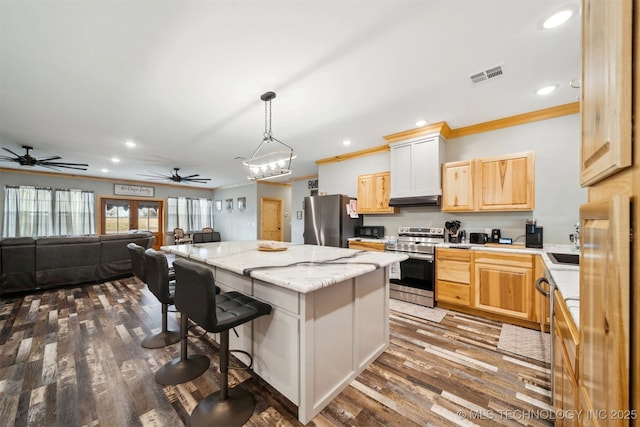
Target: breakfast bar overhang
[{"x": 330, "y": 316}]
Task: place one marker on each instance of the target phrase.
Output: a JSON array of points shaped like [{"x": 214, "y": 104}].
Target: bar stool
[
  {"x": 159, "y": 282},
  {"x": 186, "y": 367},
  {"x": 196, "y": 299}
]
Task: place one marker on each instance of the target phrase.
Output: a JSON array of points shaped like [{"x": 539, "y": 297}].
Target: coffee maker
[{"x": 533, "y": 235}]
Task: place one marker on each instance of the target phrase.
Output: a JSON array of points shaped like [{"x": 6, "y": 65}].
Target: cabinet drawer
[
  {"x": 453, "y": 293},
  {"x": 454, "y": 254},
  {"x": 228, "y": 280},
  {"x": 277, "y": 296},
  {"x": 453, "y": 271},
  {"x": 367, "y": 246},
  {"x": 503, "y": 258}
]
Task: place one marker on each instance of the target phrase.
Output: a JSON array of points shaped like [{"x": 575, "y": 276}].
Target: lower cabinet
[
  {"x": 504, "y": 284},
  {"x": 565, "y": 382},
  {"x": 367, "y": 246},
  {"x": 453, "y": 276}
]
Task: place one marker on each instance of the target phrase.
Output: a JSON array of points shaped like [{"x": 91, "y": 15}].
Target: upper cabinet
[
  {"x": 457, "y": 186},
  {"x": 373, "y": 193},
  {"x": 415, "y": 167},
  {"x": 504, "y": 183},
  {"x": 606, "y": 89}
]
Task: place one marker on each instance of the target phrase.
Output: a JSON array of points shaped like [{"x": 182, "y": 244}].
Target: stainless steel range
[{"x": 415, "y": 282}]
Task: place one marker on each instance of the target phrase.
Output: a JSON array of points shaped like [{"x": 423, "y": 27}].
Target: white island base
[{"x": 314, "y": 343}]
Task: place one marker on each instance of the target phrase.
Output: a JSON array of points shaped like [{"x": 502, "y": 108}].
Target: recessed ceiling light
[
  {"x": 421, "y": 123},
  {"x": 557, "y": 19},
  {"x": 546, "y": 90},
  {"x": 130, "y": 144},
  {"x": 104, "y": 170},
  {"x": 346, "y": 142},
  {"x": 115, "y": 160}
]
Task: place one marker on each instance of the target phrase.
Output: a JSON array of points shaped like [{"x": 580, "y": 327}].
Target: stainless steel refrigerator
[{"x": 326, "y": 222}]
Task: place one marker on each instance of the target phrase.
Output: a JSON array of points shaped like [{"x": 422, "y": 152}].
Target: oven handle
[{"x": 424, "y": 257}]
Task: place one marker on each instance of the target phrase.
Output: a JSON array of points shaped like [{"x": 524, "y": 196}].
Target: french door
[{"x": 122, "y": 215}]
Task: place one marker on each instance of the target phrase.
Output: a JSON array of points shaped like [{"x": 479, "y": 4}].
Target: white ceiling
[{"x": 184, "y": 78}]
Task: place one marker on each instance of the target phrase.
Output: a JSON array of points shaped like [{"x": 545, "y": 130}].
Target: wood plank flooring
[{"x": 72, "y": 357}]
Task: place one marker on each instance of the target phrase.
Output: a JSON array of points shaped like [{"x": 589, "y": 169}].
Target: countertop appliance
[
  {"x": 495, "y": 235},
  {"x": 370, "y": 231},
  {"x": 478, "y": 238},
  {"x": 533, "y": 235},
  {"x": 417, "y": 282},
  {"x": 326, "y": 222}
]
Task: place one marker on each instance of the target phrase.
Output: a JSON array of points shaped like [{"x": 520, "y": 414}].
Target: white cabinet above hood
[{"x": 415, "y": 171}]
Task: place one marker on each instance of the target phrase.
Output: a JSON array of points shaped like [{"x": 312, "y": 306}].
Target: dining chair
[
  {"x": 207, "y": 230},
  {"x": 179, "y": 237}
]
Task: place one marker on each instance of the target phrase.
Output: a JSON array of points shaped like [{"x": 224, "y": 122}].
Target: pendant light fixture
[{"x": 269, "y": 161}]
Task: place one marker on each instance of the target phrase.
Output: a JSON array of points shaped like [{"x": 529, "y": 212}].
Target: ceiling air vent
[{"x": 486, "y": 75}]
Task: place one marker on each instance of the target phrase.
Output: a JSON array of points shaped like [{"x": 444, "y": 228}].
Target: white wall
[
  {"x": 299, "y": 190},
  {"x": 236, "y": 225},
  {"x": 556, "y": 144}
]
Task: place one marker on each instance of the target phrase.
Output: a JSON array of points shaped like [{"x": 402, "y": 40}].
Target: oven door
[{"x": 417, "y": 272}]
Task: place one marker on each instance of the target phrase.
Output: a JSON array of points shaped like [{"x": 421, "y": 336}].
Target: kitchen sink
[{"x": 559, "y": 258}]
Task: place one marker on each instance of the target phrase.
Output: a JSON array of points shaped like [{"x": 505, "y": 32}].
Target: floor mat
[
  {"x": 525, "y": 342},
  {"x": 432, "y": 314}
]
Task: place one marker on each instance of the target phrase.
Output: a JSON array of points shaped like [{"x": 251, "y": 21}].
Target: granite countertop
[
  {"x": 302, "y": 268},
  {"x": 566, "y": 277}
]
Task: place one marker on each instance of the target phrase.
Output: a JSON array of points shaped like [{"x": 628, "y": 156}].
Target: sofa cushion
[
  {"x": 67, "y": 260},
  {"x": 17, "y": 264},
  {"x": 115, "y": 259}
]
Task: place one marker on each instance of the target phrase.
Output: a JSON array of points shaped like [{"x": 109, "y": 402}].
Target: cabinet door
[
  {"x": 366, "y": 191},
  {"x": 400, "y": 157},
  {"x": 606, "y": 88},
  {"x": 426, "y": 180},
  {"x": 506, "y": 182},
  {"x": 604, "y": 305},
  {"x": 381, "y": 192},
  {"x": 503, "y": 290},
  {"x": 564, "y": 387},
  {"x": 457, "y": 186}
]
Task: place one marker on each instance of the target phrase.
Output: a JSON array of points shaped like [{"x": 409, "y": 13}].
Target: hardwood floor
[{"x": 72, "y": 357}]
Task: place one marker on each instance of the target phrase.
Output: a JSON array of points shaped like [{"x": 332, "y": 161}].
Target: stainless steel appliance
[
  {"x": 417, "y": 282},
  {"x": 370, "y": 231},
  {"x": 326, "y": 222}
]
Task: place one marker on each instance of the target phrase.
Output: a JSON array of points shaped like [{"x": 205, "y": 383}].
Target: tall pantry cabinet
[{"x": 608, "y": 379}]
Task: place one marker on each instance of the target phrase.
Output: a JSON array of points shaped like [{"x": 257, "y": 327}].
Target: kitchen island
[{"x": 330, "y": 316}]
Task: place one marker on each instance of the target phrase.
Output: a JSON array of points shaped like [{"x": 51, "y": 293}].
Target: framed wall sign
[
  {"x": 229, "y": 205},
  {"x": 218, "y": 205},
  {"x": 133, "y": 190},
  {"x": 242, "y": 203}
]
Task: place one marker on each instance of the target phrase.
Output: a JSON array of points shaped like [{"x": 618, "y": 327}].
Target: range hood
[
  {"x": 433, "y": 200},
  {"x": 415, "y": 170}
]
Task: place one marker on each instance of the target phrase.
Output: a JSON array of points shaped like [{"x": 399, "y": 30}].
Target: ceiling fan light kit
[
  {"x": 48, "y": 162},
  {"x": 265, "y": 164}
]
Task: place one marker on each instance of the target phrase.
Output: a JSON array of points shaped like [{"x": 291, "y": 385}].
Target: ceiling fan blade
[
  {"x": 201, "y": 180},
  {"x": 157, "y": 175},
  {"x": 48, "y": 159},
  {"x": 64, "y": 165},
  {"x": 15, "y": 154},
  {"x": 11, "y": 159},
  {"x": 190, "y": 176}
]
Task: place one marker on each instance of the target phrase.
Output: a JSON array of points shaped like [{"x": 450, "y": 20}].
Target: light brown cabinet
[
  {"x": 453, "y": 276},
  {"x": 373, "y": 193},
  {"x": 565, "y": 343},
  {"x": 503, "y": 183},
  {"x": 457, "y": 186},
  {"x": 367, "y": 246},
  {"x": 606, "y": 89},
  {"x": 506, "y": 183},
  {"x": 542, "y": 303},
  {"x": 503, "y": 284}
]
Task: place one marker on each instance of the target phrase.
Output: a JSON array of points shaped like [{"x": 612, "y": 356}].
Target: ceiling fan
[
  {"x": 47, "y": 162},
  {"x": 175, "y": 177}
]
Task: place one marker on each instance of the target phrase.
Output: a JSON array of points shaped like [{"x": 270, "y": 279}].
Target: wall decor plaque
[{"x": 133, "y": 190}]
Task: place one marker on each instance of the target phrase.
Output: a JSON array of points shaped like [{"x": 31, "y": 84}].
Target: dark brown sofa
[{"x": 28, "y": 263}]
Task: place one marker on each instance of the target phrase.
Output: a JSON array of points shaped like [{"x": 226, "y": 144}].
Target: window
[
  {"x": 32, "y": 211},
  {"x": 189, "y": 214}
]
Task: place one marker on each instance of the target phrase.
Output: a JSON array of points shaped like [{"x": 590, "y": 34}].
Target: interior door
[
  {"x": 604, "y": 306},
  {"x": 123, "y": 215},
  {"x": 271, "y": 219}
]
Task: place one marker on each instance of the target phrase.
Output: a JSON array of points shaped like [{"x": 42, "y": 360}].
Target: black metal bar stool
[
  {"x": 196, "y": 299},
  {"x": 157, "y": 277}
]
